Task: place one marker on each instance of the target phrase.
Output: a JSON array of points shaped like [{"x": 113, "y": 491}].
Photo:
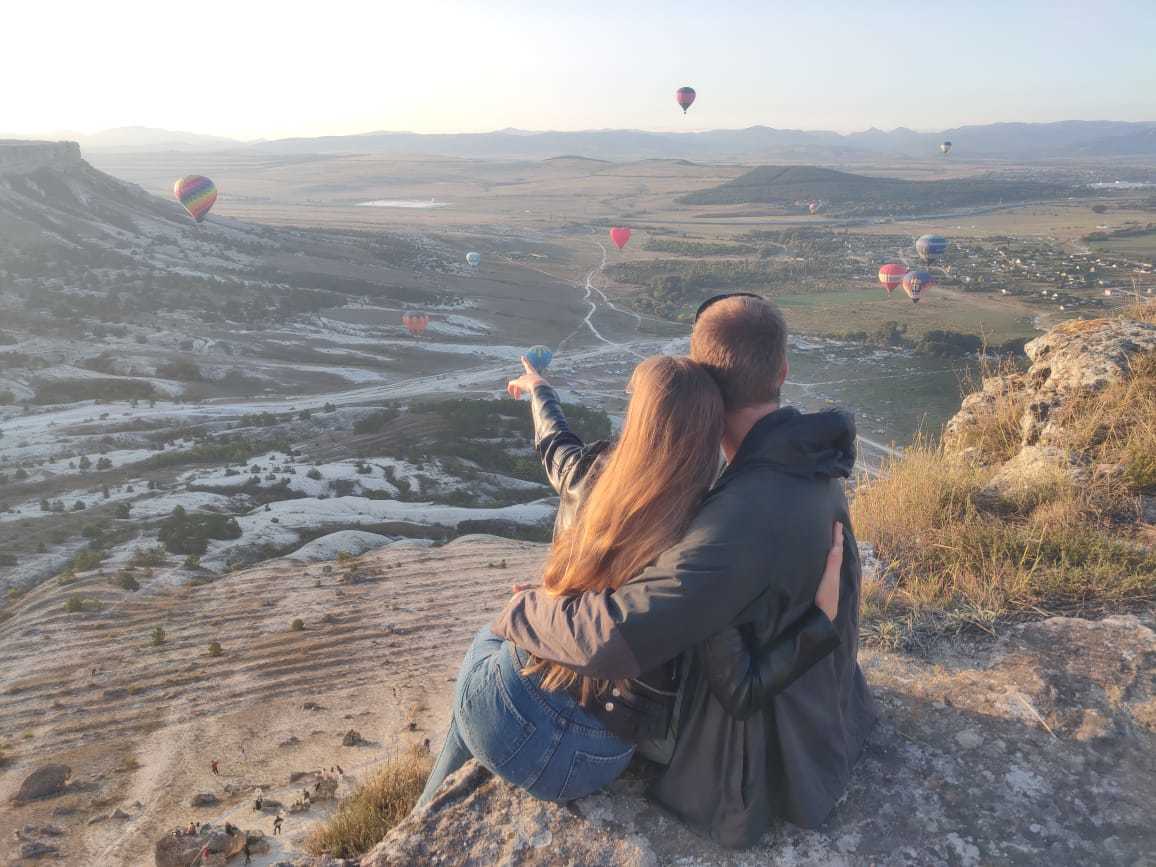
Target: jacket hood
[{"x": 817, "y": 445}]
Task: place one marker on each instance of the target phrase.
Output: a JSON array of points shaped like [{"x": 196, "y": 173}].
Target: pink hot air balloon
[
  {"x": 620, "y": 235},
  {"x": 891, "y": 275},
  {"x": 685, "y": 97}
]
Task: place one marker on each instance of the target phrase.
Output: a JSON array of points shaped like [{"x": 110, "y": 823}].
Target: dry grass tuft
[
  {"x": 363, "y": 819},
  {"x": 996, "y": 430},
  {"x": 1118, "y": 425},
  {"x": 955, "y": 557}
]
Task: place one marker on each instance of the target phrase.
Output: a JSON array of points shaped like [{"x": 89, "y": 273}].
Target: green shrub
[
  {"x": 127, "y": 581},
  {"x": 86, "y": 560},
  {"x": 158, "y": 636},
  {"x": 215, "y": 649},
  {"x": 148, "y": 557},
  {"x": 297, "y": 625},
  {"x": 189, "y": 533}
]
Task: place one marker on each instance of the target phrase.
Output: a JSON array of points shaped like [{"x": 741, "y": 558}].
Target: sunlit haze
[{"x": 264, "y": 70}]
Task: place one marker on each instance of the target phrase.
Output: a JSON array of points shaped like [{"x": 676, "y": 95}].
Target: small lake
[{"x": 402, "y": 203}]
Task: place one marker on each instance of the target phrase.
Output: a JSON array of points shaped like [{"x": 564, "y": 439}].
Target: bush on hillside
[{"x": 189, "y": 532}]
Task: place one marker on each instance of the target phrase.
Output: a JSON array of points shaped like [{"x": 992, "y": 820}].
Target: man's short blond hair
[{"x": 742, "y": 341}]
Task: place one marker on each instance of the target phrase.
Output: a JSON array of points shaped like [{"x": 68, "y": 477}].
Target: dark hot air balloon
[
  {"x": 415, "y": 323},
  {"x": 915, "y": 283},
  {"x": 945, "y": 148},
  {"x": 197, "y": 194},
  {"x": 620, "y": 235},
  {"x": 685, "y": 97},
  {"x": 539, "y": 357},
  {"x": 929, "y": 247},
  {"x": 891, "y": 275}
]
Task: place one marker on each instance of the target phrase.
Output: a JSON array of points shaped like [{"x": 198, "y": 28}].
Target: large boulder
[
  {"x": 1078, "y": 357},
  {"x": 46, "y": 781},
  {"x": 181, "y": 850},
  {"x": 1036, "y": 748}
]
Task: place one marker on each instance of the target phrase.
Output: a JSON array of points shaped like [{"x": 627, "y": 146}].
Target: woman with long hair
[{"x": 539, "y": 725}]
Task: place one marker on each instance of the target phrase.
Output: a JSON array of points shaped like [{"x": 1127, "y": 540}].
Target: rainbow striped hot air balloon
[
  {"x": 197, "y": 194},
  {"x": 891, "y": 275}
]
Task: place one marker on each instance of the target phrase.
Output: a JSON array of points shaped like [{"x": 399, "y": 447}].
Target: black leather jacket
[{"x": 742, "y": 674}]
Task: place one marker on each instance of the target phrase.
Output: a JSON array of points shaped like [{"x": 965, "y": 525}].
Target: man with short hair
[{"x": 750, "y": 558}]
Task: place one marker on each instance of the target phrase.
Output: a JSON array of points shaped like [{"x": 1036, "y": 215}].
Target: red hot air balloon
[
  {"x": 415, "y": 323},
  {"x": 620, "y": 235},
  {"x": 197, "y": 194},
  {"x": 891, "y": 275},
  {"x": 685, "y": 97}
]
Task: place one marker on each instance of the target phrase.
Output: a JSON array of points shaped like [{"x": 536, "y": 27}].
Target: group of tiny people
[
  {"x": 333, "y": 774},
  {"x": 194, "y": 828}
]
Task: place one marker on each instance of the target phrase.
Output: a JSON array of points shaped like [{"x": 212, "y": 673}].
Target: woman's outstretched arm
[
  {"x": 745, "y": 678},
  {"x": 566, "y": 458}
]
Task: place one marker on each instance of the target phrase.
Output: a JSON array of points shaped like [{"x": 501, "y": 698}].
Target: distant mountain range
[{"x": 1072, "y": 138}]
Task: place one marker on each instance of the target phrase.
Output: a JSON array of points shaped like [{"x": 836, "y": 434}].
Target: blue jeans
[{"x": 538, "y": 740}]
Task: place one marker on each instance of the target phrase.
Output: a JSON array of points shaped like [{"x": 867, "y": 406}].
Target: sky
[{"x": 256, "y": 69}]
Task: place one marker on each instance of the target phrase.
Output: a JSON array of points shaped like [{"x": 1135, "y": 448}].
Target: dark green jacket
[{"x": 752, "y": 558}]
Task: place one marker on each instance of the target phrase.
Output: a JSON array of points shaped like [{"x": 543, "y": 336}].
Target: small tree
[
  {"x": 192, "y": 562},
  {"x": 127, "y": 581},
  {"x": 215, "y": 649},
  {"x": 158, "y": 636},
  {"x": 74, "y": 605},
  {"x": 297, "y": 625}
]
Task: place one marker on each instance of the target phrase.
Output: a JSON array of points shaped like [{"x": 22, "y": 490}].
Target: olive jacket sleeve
[{"x": 692, "y": 591}]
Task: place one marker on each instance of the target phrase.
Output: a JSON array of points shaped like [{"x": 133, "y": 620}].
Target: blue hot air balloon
[
  {"x": 540, "y": 357},
  {"x": 474, "y": 259},
  {"x": 930, "y": 246}
]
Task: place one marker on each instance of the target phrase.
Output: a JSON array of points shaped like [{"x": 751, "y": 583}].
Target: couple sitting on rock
[{"x": 704, "y": 621}]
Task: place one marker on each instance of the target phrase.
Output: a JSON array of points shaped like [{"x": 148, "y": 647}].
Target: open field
[{"x": 835, "y": 313}]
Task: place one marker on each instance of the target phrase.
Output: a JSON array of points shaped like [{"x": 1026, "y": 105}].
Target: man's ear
[{"x": 786, "y": 372}]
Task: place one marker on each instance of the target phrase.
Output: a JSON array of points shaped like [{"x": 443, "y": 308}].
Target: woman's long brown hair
[{"x": 649, "y": 487}]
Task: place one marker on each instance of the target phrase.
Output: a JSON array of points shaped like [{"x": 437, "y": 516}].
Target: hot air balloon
[
  {"x": 945, "y": 148},
  {"x": 539, "y": 357},
  {"x": 620, "y": 235},
  {"x": 685, "y": 97},
  {"x": 891, "y": 275},
  {"x": 915, "y": 282},
  {"x": 415, "y": 323},
  {"x": 474, "y": 259},
  {"x": 930, "y": 246},
  {"x": 813, "y": 207},
  {"x": 197, "y": 194}
]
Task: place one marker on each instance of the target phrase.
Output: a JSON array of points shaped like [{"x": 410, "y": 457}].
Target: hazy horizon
[{"x": 461, "y": 67}]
